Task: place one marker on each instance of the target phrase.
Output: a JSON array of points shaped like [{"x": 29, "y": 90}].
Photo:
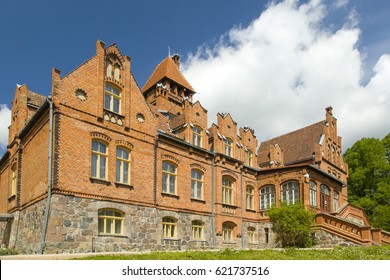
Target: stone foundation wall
[
  {"x": 73, "y": 228},
  {"x": 324, "y": 239}
]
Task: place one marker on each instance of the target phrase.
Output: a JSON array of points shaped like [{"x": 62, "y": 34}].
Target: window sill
[
  {"x": 198, "y": 200},
  {"x": 123, "y": 185},
  {"x": 171, "y": 239},
  {"x": 228, "y": 242},
  {"x": 114, "y": 113},
  {"x": 112, "y": 235},
  {"x": 170, "y": 194},
  {"x": 100, "y": 181},
  {"x": 197, "y": 240},
  {"x": 229, "y": 205},
  {"x": 250, "y": 210}
]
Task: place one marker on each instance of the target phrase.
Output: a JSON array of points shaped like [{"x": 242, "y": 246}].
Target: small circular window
[
  {"x": 80, "y": 94},
  {"x": 140, "y": 117}
]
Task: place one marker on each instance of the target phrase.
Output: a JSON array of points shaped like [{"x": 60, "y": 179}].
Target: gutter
[
  {"x": 213, "y": 241},
  {"x": 49, "y": 176}
]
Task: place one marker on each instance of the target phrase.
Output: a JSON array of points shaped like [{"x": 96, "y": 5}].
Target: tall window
[
  {"x": 122, "y": 165},
  {"x": 197, "y": 230},
  {"x": 109, "y": 69},
  {"x": 99, "y": 160},
  {"x": 110, "y": 221},
  {"x": 196, "y": 184},
  {"x": 227, "y": 231},
  {"x": 227, "y": 190},
  {"x": 252, "y": 237},
  {"x": 14, "y": 179},
  {"x": 325, "y": 198},
  {"x": 169, "y": 177},
  {"x": 335, "y": 201},
  {"x": 250, "y": 193},
  {"x": 313, "y": 193},
  {"x": 267, "y": 197},
  {"x": 197, "y": 136},
  {"x": 290, "y": 192},
  {"x": 249, "y": 158},
  {"x": 112, "y": 98},
  {"x": 169, "y": 227},
  {"x": 117, "y": 72},
  {"x": 228, "y": 147}
]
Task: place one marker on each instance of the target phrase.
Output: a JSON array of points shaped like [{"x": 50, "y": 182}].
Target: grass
[{"x": 338, "y": 253}]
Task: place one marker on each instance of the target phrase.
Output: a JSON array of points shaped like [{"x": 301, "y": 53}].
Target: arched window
[
  {"x": 313, "y": 193},
  {"x": 290, "y": 192},
  {"x": 249, "y": 158},
  {"x": 110, "y": 221},
  {"x": 14, "y": 179},
  {"x": 197, "y": 136},
  {"x": 325, "y": 198},
  {"x": 112, "y": 98},
  {"x": 169, "y": 173},
  {"x": 252, "y": 236},
  {"x": 99, "y": 160},
  {"x": 250, "y": 193},
  {"x": 196, "y": 184},
  {"x": 229, "y": 147},
  {"x": 227, "y": 231},
  {"x": 108, "y": 69},
  {"x": 169, "y": 227},
  {"x": 227, "y": 190},
  {"x": 122, "y": 165},
  {"x": 197, "y": 230},
  {"x": 267, "y": 197},
  {"x": 335, "y": 201}
]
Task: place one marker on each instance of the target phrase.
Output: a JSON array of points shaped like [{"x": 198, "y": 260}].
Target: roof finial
[{"x": 169, "y": 51}]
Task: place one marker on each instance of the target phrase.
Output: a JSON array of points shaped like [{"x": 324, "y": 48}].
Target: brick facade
[{"x": 182, "y": 185}]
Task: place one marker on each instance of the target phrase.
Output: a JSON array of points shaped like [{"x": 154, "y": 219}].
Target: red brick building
[{"x": 101, "y": 165}]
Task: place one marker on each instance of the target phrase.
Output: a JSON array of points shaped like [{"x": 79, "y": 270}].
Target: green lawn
[{"x": 339, "y": 253}]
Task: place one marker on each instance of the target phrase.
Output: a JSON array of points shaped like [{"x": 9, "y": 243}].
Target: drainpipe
[
  {"x": 212, "y": 202},
  {"x": 242, "y": 212},
  {"x": 49, "y": 176}
]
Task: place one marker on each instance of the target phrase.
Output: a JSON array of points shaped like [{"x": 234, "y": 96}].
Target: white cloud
[
  {"x": 280, "y": 72},
  {"x": 5, "y": 121}
]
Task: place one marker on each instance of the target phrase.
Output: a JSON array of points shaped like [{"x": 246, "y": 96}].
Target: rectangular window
[
  {"x": 197, "y": 230},
  {"x": 112, "y": 98},
  {"x": 169, "y": 178},
  {"x": 122, "y": 165},
  {"x": 99, "y": 160},
  {"x": 249, "y": 198},
  {"x": 169, "y": 228},
  {"x": 227, "y": 191},
  {"x": 110, "y": 221},
  {"x": 196, "y": 184}
]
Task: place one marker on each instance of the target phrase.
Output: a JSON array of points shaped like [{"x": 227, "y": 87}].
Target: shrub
[{"x": 292, "y": 225}]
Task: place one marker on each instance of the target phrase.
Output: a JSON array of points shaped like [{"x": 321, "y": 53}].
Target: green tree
[
  {"x": 292, "y": 225},
  {"x": 369, "y": 178}
]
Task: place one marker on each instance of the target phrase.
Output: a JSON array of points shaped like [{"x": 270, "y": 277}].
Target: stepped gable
[
  {"x": 167, "y": 69},
  {"x": 296, "y": 146}
]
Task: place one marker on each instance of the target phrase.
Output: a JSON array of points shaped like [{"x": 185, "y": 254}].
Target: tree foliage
[
  {"x": 369, "y": 178},
  {"x": 292, "y": 225}
]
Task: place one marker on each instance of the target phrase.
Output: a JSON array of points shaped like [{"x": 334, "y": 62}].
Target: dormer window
[
  {"x": 112, "y": 98},
  {"x": 197, "y": 136},
  {"x": 228, "y": 147}
]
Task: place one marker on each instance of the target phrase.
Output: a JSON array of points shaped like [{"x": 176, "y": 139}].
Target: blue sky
[{"x": 273, "y": 83}]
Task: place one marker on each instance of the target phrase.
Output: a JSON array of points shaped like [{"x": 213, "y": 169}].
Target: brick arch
[
  {"x": 197, "y": 166},
  {"x": 229, "y": 173},
  {"x": 101, "y": 136},
  {"x": 170, "y": 158},
  {"x": 124, "y": 144}
]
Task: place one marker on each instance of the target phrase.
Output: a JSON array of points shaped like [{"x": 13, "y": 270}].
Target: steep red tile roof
[
  {"x": 297, "y": 145},
  {"x": 35, "y": 99},
  {"x": 167, "y": 69}
]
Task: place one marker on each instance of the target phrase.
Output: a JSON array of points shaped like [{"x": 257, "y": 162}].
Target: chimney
[
  {"x": 176, "y": 59},
  {"x": 329, "y": 110}
]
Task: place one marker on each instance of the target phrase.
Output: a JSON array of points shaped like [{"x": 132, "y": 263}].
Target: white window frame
[
  {"x": 120, "y": 167},
  {"x": 313, "y": 193},
  {"x": 227, "y": 232},
  {"x": 114, "y": 94},
  {"x": 227, "y": 190},
  {"x": 197, "y": 185},
  {"x": 97, "y": 163},
  {"x": 166, "y": 186},
  {"x": 250, "y": 197},
  {"x": 228, "y": 147},
  {"x": 267, "y": 197},
  {"x": 290, "y": 192},
  {"x": 197, "y": 136},
  {"x": 197, "y": 230}
]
